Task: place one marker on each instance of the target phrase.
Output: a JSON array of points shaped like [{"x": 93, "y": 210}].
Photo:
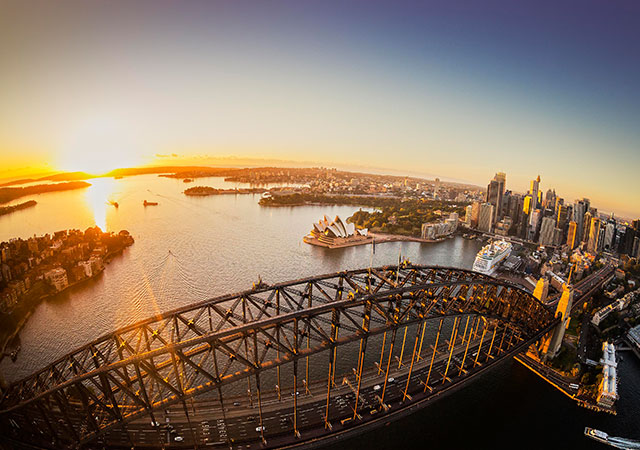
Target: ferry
[
  {"x": 616, "y": 442},
  {"x": 490, "y": 256}
]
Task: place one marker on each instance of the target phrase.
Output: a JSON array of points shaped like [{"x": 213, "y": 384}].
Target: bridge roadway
[
  {"x": 239, "y": 428},
  {"x": 180, "y": 367}
]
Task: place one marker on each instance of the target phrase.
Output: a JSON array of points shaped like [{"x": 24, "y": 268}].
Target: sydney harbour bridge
[{"x": 292, "y": 365}]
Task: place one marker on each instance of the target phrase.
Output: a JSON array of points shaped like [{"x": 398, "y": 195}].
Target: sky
[{"x": 435, "y": 87}]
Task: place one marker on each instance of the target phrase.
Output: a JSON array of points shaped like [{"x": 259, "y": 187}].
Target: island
[
  {"x": 9, "y": 209},
  {"x": 37, "y": 268}
]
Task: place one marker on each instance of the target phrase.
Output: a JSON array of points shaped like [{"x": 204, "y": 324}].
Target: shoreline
[
  {"x": 379, "y": 238},
  {"x": 23, "y": 321}
]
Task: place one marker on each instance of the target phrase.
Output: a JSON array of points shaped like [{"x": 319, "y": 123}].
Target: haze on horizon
[{"x": 454, "y": 91}]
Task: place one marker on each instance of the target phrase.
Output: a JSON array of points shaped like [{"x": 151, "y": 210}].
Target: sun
[
  {"x": 97, "y": 147},
  {"x": 97, "y": 160}
]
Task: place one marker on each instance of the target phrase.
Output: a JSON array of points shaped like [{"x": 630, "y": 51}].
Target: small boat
[
  {"x": 114, "y": 204},
  {"x": 187, "y": 180},
  {"x": 146, "y": 203},
  {"x": 118, "y": 177}
]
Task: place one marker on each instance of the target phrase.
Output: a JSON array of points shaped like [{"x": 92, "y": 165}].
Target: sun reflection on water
[{"x": 100, "y": 198}]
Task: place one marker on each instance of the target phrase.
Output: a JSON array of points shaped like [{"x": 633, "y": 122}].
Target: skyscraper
[
  {"x": 495, "y": 193},
  {"x": 534, "y": 191},
  {"x": 587, "y": 226},
  {"x": 594, "y": 231},
  {"x": 571, "y": 235},
  {"x": 485, "y": 218},
  {"x": 475, "y": 214},
  {"x": 468, "y": 213},
  {"x": 550, "y": 200},
  {"x": 562, "y": 217},
  {"x": 609, "y": 234},
  {"x": 580, "y": 207},
  {"x": 546, "y": 231}
]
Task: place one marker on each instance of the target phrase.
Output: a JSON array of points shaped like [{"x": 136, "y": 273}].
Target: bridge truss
[{"x": 411, "y": 315}]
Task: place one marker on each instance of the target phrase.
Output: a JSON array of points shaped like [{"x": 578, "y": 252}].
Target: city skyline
[{"x": 449, "y": 91}]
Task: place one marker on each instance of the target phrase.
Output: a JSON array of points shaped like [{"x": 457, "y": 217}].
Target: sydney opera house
[{"x": 335, "y": 234}]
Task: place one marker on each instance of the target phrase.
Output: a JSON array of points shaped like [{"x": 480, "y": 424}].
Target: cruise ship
[{"x": 490, "y": 256}]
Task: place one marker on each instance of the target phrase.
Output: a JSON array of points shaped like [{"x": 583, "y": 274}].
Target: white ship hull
[{"x": 490, "y": 257}]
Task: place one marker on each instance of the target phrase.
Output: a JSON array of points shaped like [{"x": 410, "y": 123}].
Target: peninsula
[
  {"x": 34, "y": 269},
  {"x": 8, "y": 194},
  {"x": 4, "y": 210}
]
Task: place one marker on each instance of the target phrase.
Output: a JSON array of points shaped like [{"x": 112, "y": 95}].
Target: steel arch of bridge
[{"x": 165, "y": 360}]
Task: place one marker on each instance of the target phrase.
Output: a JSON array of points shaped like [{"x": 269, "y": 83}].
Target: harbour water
[{"x": 188, "y": 249}]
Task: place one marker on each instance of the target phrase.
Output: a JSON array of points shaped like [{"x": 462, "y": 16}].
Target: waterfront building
[
  {"x": 546, "y": 231},
  {"x": 634, "y": 336},
  {"x": 485, "y": 217},
  {"x": 57, "y": 278},
  {"x": 328, "y": 233},
  {"x": 503, "y": 226},
  {"x": 86, "y": 267},
  {"x": 608, "y": 388},
  {"x": 475, "y": 214},
  {"x": 618, "y": 305},
  {"x": 438, "y": 230},
  {"x": 468, "y": 212}
]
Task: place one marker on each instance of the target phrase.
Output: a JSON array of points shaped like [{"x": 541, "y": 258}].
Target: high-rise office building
[
  {"x": 475, "y": 214},
  {"x": 550, "y": 200},
  {"x": 485, "y": 218},
  {"x": 546, "y": 231},
  {"x": 594, "y": 232},
  {"x": 635, "y": 253},
  {"x": 557, "y": 236},
  {"x": 580, "y": 207},
  {"x": 571, "y": 235},
  {"x": 495, "y": 193},
  {"x": 468, "y": 212},
  {"x": 587, "y": 226},
  {"x": 534, "y": 191},
  {"x": 514, "y": 208},
  {"x": 625, "y": 244},
  {"x": 609, "y": 235},
  {"x": 534, "y": 228},
  {"x": 562, "y": 217}
]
